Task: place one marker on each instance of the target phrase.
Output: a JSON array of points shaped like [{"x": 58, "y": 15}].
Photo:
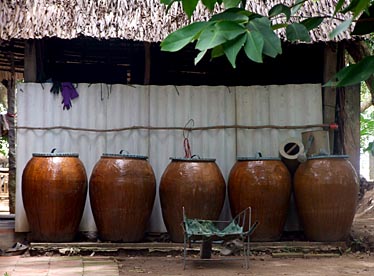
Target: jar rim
[
  {"x": 58, "y": 154},
  {"x": 183, "y": 159},
  {"x": 119, "y": 155}
]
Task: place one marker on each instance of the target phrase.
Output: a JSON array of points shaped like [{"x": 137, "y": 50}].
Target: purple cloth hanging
[{"x": 68, "y": 93}]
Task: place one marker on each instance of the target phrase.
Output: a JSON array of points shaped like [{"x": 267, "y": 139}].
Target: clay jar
[
  {"x": 196, "y": 184},
  {"x": 326, "y": 190},
  {"x": 264, "y": 184},
  {"x": 122, "y": 193},
  {"x": 54, "y": 189}
]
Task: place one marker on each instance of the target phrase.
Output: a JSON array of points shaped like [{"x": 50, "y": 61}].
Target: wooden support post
[
  {"x": 147, "y": 65},
  {"x": 350, "y": 106},
  {"x": 30, "y": 61},
  {"x": 34, "y": 61},
  {"x": 329, "y": 93}
]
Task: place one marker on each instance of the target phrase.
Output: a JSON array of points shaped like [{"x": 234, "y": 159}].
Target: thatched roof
[{"x": 126, "y": 19}]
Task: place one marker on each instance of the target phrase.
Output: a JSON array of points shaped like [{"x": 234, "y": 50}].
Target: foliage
[
  {"x": 367, "y": 131},
  {"x": 237, "y": 28}
]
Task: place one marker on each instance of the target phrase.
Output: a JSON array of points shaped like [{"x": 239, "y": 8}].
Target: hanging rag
[
  {"x": 68, "y": 93},
  {"x": 56, "y": 87}
]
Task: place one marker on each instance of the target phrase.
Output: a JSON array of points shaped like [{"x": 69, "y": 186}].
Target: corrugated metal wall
[{"x": 102, "y": 106}]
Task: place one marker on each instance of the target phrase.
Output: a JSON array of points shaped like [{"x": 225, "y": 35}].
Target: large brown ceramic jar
[
  {"x": 122, "y": 193},
  {"x": 196, "y": 184},
  {"x": 54, "y": 189},
  {"x": 264, "y": 184},
  {"x": 326, "y": 190}
]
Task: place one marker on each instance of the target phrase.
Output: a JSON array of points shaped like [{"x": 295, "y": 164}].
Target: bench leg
[{"x": 206, "y": 249}]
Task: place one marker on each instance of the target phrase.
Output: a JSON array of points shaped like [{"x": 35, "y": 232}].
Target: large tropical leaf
[
  {"x": 296, "y": 7},
  {"x": 209, "y": 38},
  {"x": 279, "y": 9},
  {"x": 180, "y": 38},
  {"x": 218, "y": 34},
  {"x": 235, "y": 14},
  {"x": 354, "y": 73},
  {"x": 254, "y": 46},
  {"x": 229, "y": 29},
  {"x": 200, "y": 56},
  {"x": 312, "y": 22},
  {"x": 272, "y": 43},
  {"x": 209, "y": 4},
  {"x": 189, "y": 6},
  {"x": 232, "y": 48},
  {"x": 297, "y": 32},
  {"x": 365, "y": 23},
  {"x": 217, "y": 52},
  {"x": 357, "y": 6},
  {"x": 231, "y": 3},
  {"x": 341, "y": 28}
]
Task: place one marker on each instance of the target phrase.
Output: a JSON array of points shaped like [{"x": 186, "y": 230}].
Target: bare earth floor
[
  {"x": 349, "y": 264},
  {"x": 360, "y": 263},
  {"x": 352, "y": 264}
]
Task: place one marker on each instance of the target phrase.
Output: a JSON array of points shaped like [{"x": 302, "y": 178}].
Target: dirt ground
[
  {"x": 350, "y": 264},
  {"x": 362, "y": 232}
]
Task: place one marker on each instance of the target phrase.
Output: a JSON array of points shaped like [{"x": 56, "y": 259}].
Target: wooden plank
[
  {"x": 30, "y": 73},
  {"x": 329, "y": 93},
  {"x": 147, "y": 65},
  {"x": 351, "y": 126}
]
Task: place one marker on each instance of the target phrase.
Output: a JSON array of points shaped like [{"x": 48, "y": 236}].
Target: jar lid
[
  {"x": 120, "y": 155},
  {"x": 182, "y": 159},
  {"x": 58, "y": 154},
  {"x": 262, "y": 158},
  {"x": 328, "y": 157}
]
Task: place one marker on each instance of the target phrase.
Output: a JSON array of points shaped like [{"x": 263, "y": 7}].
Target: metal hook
[{"x": 53, "y": 150}]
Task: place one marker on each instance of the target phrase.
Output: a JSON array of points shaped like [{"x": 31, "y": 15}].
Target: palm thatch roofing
[{"x": 136, "y": 20}]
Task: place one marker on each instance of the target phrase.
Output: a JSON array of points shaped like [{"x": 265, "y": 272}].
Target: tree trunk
[
  {"x": 358, "y": 50},
  {"x": 11, "y": 92}
]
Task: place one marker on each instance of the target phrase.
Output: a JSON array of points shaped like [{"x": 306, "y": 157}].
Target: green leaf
[
  {"x": 296, "y": 7},
  {"x": 339, "y": 6},
  {"x": 189, "y": 6},
  {"x": 254, "y": 46},
  {"x": 234, "y": 14},
  {"x": 279, "y": 9},
  {"x": 312, "y": 22},
  {"x": 200, "y": 56},
  {"x": 341, "y": 28},
  {"x": 355, "y": 73},
  {"x": 279, "y": 26},
  {"x": 231, "y": 3},
  {"x": 210, "y": 38},
  {"x": 218, "y": 34},
  {"x": 272, "y": 43},
  {"x": 229, "y": 29},
  {"x": 180, "y": 38},
  {"x": 297, "y": 32},
  {"x": 357, "y": 6},
  {"x": 365, "y": 23},
  {"x": 167, "y": 2},
  {"x": 209, "y": 4},
  {"x": 217, "y": 52},
  {"x": 232, "y": 48}
]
